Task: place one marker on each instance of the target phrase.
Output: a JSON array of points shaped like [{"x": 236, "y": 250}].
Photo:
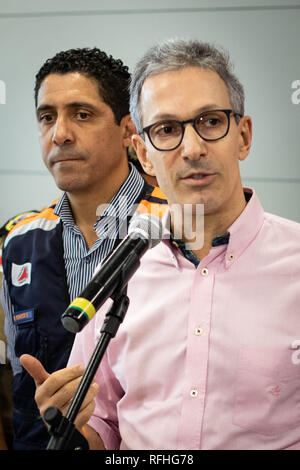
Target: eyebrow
[
  {"x": 164, "y": 116},
  {"x": 74, "y": 104}
]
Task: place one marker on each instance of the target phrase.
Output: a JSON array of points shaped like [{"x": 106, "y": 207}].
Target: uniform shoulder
[{"x": 25, "y": 220}]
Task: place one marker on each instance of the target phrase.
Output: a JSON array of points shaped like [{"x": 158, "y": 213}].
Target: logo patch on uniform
[
  {"x": 23, "y": 316},
  {"x": 21, "y": 274}
]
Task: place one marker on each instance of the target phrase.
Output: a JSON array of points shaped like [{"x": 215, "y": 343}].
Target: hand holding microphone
[{"x": 145, "y": 231}]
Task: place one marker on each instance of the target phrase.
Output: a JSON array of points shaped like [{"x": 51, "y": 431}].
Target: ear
[
  {"x": 128, "y": 129},
  {"x": 142, "y": 154},
  {"x": 245, "y": 137}
]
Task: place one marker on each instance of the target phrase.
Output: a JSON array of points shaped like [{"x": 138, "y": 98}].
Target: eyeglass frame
[{"x": 228, "y": 112}]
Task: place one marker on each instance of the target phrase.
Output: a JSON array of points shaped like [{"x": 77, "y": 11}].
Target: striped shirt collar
[{"x": 115, "y": 211}]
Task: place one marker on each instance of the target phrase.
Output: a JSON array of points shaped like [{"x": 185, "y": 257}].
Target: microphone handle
[
  {"x": 114, "y": 261},
  {"x": 111, "y": 278}
]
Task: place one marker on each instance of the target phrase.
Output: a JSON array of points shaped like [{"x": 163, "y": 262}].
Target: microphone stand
[{"x": 64, "y": 435}]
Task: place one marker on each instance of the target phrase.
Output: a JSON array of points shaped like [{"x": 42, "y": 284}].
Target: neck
[
  {"x": 199, "y": 230},
  {"x": 87, "y": 206}
]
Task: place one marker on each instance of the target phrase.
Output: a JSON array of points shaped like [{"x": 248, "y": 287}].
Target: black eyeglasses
[{"x": 210, "y": 126}]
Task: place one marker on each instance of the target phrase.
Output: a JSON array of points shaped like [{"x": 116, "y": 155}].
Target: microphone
[{"x": 144, "y": 232}]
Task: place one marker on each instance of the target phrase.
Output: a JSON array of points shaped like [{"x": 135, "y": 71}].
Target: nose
[
  {"x": 62, "y": 132},
  {"x": 193, "y": 146}
]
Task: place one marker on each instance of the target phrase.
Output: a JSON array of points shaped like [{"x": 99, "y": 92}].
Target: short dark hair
[{"x": 111, "y": 75}]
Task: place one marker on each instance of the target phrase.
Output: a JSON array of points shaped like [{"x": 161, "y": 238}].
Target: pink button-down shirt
[{"x": 206, "y": 358}]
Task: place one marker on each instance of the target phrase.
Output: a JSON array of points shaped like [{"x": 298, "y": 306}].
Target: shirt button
[
  {"x": 87, "y": 260},
  {"x": 194, "y": 393},
  {"x": 198, "y": 331},
  {"x": 231, "y": 257},
  {"x": 204, "y": 272}
]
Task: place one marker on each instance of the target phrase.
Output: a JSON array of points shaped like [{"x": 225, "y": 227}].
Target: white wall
[{"x": 261, "y": 36}]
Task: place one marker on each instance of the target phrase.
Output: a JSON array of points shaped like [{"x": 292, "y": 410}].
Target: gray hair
[{"x": 176, "y": 54}]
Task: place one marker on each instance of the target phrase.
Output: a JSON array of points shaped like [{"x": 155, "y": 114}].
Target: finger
[
  {"x": 34, "y": 368},
  {"x": 65, "y": 396},
  {"x": 58, "y": 389},
  {"x": 87, "y": 408},
  {"x": 84, "y": 415},
  {"x": 62, "y": 379},
  {"x": 60, "y": 398},
  {"x": 91, "y": 394}
]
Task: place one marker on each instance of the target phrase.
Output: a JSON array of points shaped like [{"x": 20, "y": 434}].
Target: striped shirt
[{"x": 80, "y": 261}]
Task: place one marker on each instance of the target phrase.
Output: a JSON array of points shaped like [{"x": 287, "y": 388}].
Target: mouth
[
  {"x": 199, "y": 178},
  {"x": 65, "y": 155},
  {"x": 62, "y": 160},
  {"x": 65, "y": 159}
]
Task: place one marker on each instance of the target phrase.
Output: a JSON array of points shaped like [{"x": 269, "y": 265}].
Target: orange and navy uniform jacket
[{"x": 39, "y": 296}]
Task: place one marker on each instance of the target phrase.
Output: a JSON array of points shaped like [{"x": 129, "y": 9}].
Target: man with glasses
[{"x": 207, "y": 354}]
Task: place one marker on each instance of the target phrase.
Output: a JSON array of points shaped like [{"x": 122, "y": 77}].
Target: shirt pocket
[
  {"x": 267, "y": 392},
  {"x": 26, "y": 340},
  {"x": 30, "y": 341}
]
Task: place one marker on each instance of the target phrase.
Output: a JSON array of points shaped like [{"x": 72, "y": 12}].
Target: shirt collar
[
  {"x": 121, "y": 204},
  {"x": 240, "y": 234},
  {"x": 245, "y": 228},
  {"x": 63, "y": 210},
  {"x": 117, "y": 208}
]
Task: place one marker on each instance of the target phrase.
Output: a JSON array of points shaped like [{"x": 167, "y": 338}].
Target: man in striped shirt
[{"x": 82, "y": 109}]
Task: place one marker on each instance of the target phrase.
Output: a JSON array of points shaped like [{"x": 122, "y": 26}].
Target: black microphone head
[{"x": 147, "y": 226}]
